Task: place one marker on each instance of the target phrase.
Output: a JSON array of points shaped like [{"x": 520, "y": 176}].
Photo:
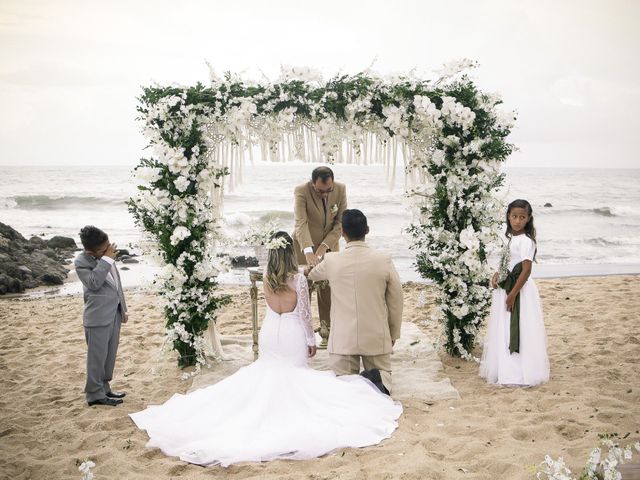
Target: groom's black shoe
[
  {"x": 116, "y": 394},
  {"x": 109, "y": 402},
  {"x": 374, "y": 377}
]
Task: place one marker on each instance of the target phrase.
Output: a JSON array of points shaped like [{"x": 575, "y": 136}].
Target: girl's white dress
[
  {"x": 277, "y": 407},
  {"x": 531, "y": 365}
]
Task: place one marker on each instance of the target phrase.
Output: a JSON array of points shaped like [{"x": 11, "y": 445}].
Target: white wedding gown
[
  {"x": 277, "y": 407},
  {"x": 531, "y": 365}
]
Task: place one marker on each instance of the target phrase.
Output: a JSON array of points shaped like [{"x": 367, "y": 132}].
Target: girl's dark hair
[
  {"x": 529, "y": 228},
  {"x": 92, "y": 237}
]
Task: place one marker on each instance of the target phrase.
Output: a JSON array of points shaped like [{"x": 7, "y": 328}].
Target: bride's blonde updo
[{"x": 282, "y": 262}]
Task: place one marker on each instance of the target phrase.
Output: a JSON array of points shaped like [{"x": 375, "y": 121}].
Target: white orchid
[{"x": 179, "y": 234}]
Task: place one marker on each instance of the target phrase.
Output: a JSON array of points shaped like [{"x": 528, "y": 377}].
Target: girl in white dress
[
  {"x": 515, "y": 348},
  {"x": 277, "y": 407}
]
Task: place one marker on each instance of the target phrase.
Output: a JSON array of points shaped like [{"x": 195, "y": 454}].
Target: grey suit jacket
[{"x": 101, "y": 297}]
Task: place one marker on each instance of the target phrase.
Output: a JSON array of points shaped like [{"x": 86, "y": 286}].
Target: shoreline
[{"x": 139, "y": 278}]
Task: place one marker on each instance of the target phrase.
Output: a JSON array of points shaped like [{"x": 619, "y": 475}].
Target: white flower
[
  {"x": 469, "y": 238},
  {"x": 286, "y": 116},
  {"x": 182, "y": 183},
  {"x": 179, "y": 234},
  {"x": 438, "y": 157},
  {"x": 393, "y": 116},
  {"x": 148, "y": 174}
]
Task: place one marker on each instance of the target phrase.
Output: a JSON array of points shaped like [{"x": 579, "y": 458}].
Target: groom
[
  {"x": 105, "y": 310},
  {"x": 318, "y": 211},
  {"x": 366, "y": 304}
]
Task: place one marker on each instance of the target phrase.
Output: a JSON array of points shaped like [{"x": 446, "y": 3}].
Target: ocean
[{"x": 592, "y": 227}]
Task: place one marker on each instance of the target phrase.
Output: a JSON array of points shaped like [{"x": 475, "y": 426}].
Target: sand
[{"x": 593, "y": 327}]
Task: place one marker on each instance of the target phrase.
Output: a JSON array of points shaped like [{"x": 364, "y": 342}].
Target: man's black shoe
[
  {"x": 116, "y": 394},
  {"x": 110, "y": 402}
]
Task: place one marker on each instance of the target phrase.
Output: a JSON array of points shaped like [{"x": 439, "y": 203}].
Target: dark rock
[
  {"x": 50, "y": 253},
  {"x": 125, "y": 268},
  {"x": 10, "y": 285},
  {"x": 9, "y": 233},
  {"x": 37, "y": 242},
  {"x": 547, "y": 205},
  {"x": 122, "y": 252},
  {"x": 122, "y": 257},
  {"x": 130, "y": 260},
  {"x": 51, "y": 279},
  {"x": 62, "y": 243},
  {"x": 28, "y": 263},
  {"x": 244, "y": 262}
]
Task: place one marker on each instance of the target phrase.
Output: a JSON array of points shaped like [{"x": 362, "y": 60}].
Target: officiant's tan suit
[
  {"x": 366, "y": 308},
  {"x": 315, "y": 225}
]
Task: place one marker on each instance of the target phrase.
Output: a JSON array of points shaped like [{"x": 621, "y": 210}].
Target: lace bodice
[{"x": 303, "y": 306}]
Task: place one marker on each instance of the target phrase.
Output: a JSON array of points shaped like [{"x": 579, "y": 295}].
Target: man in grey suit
[{"x": 105, "y": 309}]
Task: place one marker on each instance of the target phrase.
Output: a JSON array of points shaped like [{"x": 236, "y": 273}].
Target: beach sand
[{"x": 593, "y": 327}]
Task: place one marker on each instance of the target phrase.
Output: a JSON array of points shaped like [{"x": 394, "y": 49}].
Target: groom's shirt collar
[{"x": 357, "y": 243}]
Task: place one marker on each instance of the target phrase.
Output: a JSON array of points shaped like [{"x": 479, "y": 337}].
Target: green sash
[{"x": 514, "y": 330}]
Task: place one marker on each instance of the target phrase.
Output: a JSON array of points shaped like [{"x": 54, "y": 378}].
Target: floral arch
[{"x": 450, "y": 136}]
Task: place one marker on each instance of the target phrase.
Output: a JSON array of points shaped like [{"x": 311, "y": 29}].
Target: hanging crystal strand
[
  {"x": 387, "y": 156},
  {"x": 394, "y": 164},
  {"x": 364, "y": 150},
  {"x": 281, "y": 150},
  {"x": 291, "y": 142},
  {"x": 263, "y": 150},
  {"x": 241, "y": 160},
  {"x": 250, "y": 146},
  {"x": 303, "y": 142}
]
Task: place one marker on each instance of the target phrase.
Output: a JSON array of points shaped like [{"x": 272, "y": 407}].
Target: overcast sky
[{"x": 70, "y": 71}]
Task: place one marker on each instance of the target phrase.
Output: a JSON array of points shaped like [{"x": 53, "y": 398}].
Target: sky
[{"x": 70, "y": 71}]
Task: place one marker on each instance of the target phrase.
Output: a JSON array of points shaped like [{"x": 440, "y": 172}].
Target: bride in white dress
[{"x": 277, "y": 407}]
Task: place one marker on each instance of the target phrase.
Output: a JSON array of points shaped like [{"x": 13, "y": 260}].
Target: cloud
[{"x": 49, "y": 74}]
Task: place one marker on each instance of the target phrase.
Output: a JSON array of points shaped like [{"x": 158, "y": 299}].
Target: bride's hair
[{"x": 281, "y": 264}]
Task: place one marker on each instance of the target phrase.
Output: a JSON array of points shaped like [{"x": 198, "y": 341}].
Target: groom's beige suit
[
  {"x": 366, "y": 308},
  {"x": 316, "y": 224}
]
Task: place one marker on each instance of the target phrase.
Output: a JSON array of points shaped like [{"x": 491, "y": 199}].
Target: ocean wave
[
  {"x": 605, "y": 211},
  {"x": 52, "y": 202}
]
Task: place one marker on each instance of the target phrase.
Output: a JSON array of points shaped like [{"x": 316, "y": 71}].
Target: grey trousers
[
  {"x": 102, "y": 346},
  {"x": 350, "y": 365}
]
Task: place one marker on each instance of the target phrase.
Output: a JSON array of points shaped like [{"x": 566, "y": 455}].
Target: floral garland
[{"x": 450, "y": 135}]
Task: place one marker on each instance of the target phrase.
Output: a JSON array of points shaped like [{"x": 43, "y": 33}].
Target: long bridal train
[{"x": 277, "y": 407}]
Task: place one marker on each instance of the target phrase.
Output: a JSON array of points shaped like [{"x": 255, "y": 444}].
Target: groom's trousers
[
  {"x": 350, "y": 365},
  {"x": 102, "y": 347}
]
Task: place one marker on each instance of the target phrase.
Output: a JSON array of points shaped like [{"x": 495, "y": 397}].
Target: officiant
[{"x": 319, "y": 204}]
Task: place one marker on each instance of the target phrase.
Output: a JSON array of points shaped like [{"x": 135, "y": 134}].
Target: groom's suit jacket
[
  {"x": 102, "y": 297},
  {"x": 366, "y": 300},
  {"x": 313, "y": 225}
]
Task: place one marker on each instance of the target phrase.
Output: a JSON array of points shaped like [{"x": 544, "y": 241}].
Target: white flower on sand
[
  {"x": 85, "y": 469},
  {"x": 179, "y": 234},
  {"x": 182, "y": 183}
]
